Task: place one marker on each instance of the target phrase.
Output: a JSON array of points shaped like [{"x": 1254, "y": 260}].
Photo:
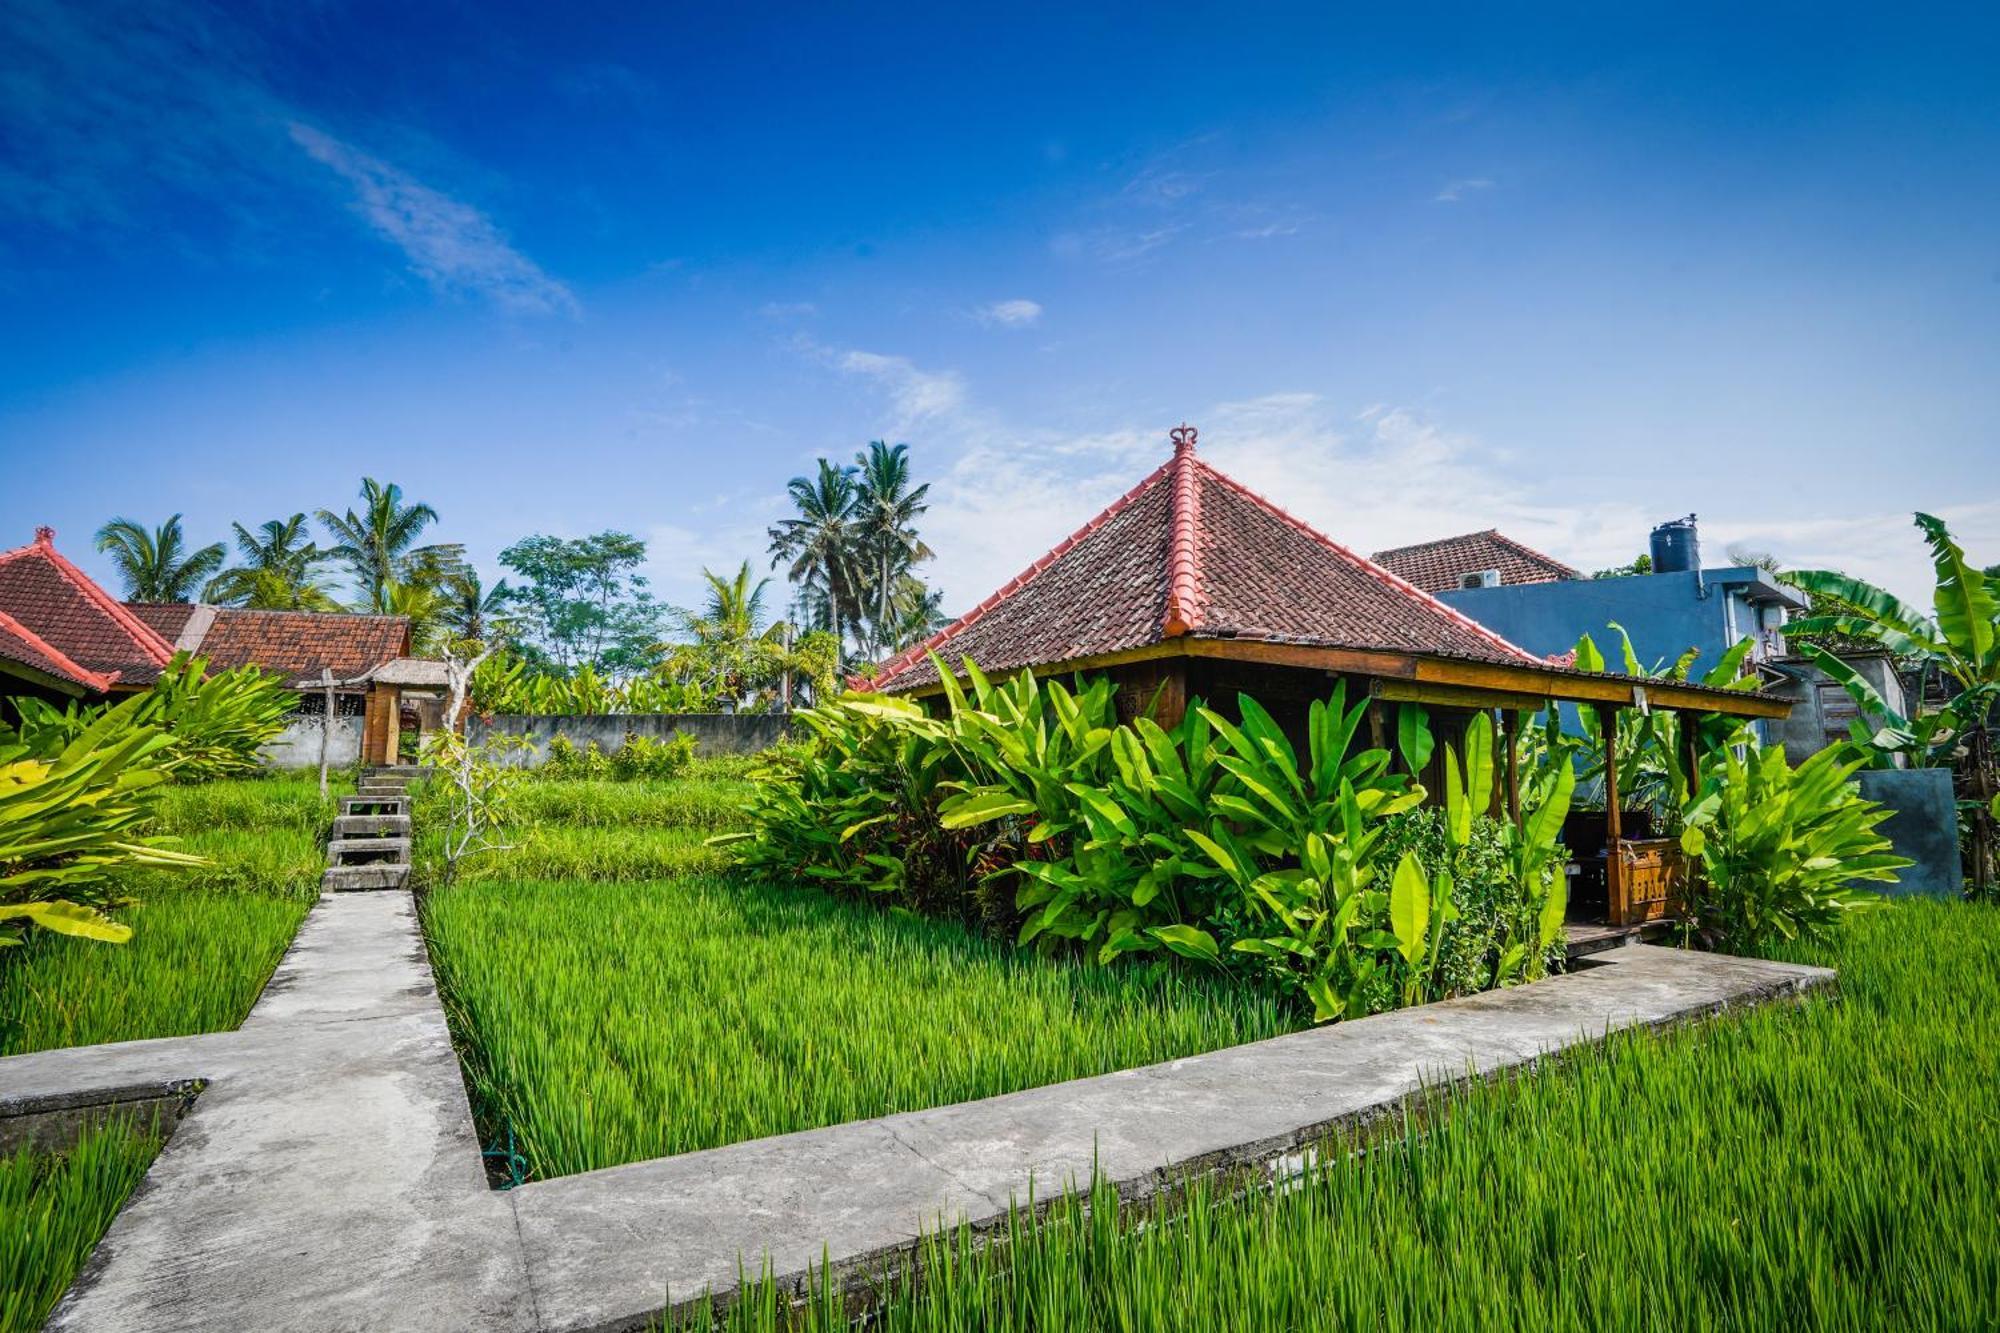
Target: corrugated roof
[
  {"x": 1188, "y": 551},
  {"x": 1437, "y": 566},
  {"x": 67, "y": 610}
]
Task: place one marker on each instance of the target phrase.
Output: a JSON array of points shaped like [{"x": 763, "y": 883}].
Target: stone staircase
[{"x": 370, "y": 846}]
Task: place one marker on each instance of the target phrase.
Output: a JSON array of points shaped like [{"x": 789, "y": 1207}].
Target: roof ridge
[
  {"x": 902, "y": 661},
  {"x": 1439, "y": 541},
  {"x": 1183, "y": 610},
  {"x": 84, "y": 675},
  {"x": 149, "y": 640},
  {"x": 1370, "y": 568},
  {"x": 1523, "y": 548}
]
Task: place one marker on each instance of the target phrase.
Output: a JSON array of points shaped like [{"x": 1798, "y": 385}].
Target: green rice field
[
  {"x": 204, "y": 939},
  {"x": 53, "y": 1209},
  {"x": 1831, "y": 1165},
  {"x": 610, "y": 1010}
]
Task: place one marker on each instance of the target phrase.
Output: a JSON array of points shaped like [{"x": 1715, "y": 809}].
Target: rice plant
[
  {"x": 53, "y": 1209},
  {"x": 1827, "y": 1165},
  {"x": 615, "y": 1021}
]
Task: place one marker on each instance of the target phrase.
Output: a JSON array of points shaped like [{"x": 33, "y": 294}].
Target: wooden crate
[{"x": 1652, "y": 881}]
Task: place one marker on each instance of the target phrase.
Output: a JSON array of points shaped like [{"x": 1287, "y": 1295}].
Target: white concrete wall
[{"x": 297, "y": 746}]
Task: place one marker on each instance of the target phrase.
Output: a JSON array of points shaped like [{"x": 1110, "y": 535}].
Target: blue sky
[{"x": 1412, "y": 274}]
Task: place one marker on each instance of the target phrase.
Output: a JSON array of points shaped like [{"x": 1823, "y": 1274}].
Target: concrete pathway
[{"x": 328, "y": 1176}]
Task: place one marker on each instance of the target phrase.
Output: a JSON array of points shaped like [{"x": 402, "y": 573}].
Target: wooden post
[
  {"x": 1614, "y": 870},
  {"x": 1691, "y": 750},
  {"x": 393, "y": 710},
  {"x": 1377, "y": 729},
  {"x": 325, "y": 726},
  {"x": 1510, "y": 737}
]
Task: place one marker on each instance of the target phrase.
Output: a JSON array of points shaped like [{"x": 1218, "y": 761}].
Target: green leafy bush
[
  {"x": 1031, "y": 807},
  {"x": 215, "y": 725},
  {"x": 638, "y": 757},
  {"x": 1780, "y": 848},
  {"x": 71, "y": 825}
]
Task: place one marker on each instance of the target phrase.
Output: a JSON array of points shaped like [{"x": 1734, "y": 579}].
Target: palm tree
[
  {"x": 919, "y": 611},
  {"x": 472, "y": 611},
  {"x": 886, "y": 511},
  {"x": 379, "y": 544},
  {"x": 280, "y": 570},
  {"x": 734, "y": 611},
  {"x": 152, "y": 563},
  {"x": 822, "y": 544}
]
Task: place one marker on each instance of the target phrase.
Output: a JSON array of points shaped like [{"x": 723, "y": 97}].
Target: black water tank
[{"x": 1676, "y": 547}]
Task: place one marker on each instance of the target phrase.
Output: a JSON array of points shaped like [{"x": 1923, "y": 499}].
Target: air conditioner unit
[{"x": 1480, "y": 578}]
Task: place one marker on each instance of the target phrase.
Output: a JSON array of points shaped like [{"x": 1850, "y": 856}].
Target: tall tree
[
  {"x": 155, "y": 563},
  {"x": 822, "y": 545},
  {"x": 886, "y": 510},
  {"x": 474, "y": 611},
  {"x": 582, "y": 601},
  {"x": 280, "y": 570},
  {"x": 379, "y": 544},
  {"x": 734, "y": 608}
]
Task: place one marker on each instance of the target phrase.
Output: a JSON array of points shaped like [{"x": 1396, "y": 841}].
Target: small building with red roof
[
  {"x": 1192, "y": 586},
  {"x": 62, "y": 636},
  {"x": 1488, "y": 559}
]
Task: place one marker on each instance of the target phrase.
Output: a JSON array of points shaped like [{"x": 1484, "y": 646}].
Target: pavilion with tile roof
[
  {"x": 63, "y": 635},
  {"x": 1192, "y": 586}
]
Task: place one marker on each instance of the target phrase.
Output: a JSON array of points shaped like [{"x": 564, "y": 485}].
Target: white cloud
[
  {"x": 1457, "y": 190},
  {"x": 918, "y": 396},
  {"x": 1015, "y": 314},
  {"x": 451, "y": 245}
]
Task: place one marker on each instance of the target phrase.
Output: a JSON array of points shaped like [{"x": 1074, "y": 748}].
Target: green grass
[
  {"x": 616, "y": 1001},
  {"x": 1831, "y": 1165},
  {"x": 53, "y": 1209},
  {"x": 204, "y": 940}
]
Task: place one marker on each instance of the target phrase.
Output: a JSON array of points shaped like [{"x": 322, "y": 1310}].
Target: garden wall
[
  {"x": 714, "y": 733},
  {"x": 297, "y": 746},
  {"x": 1924, "y": 828}
]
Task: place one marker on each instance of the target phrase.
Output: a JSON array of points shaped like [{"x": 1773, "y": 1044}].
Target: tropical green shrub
[
  {"x": 638, "y": 757},
  {"x": 1780, "y": 848},
  {"x": 1488, "y": 896},
  {"x": 215, "y": 725},
  {"x": 500, "y": 685},
  {"x": 70, "y": 825},
  {"x": 1029, "y": 806}
]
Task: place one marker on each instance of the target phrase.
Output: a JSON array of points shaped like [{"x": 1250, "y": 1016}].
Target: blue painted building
[{"x": 1666, "y": 614}]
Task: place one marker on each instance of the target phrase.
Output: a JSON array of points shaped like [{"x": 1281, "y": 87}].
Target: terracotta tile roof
[
  {"x": 21, "y": 645},
  {"x": 292, "y": 644},
  {"x": 1437, "y": 566},
  {"x": 1188, "y": 551},
  {"x": 168, "y": 619},
  {"x": 64, "y": 608}
]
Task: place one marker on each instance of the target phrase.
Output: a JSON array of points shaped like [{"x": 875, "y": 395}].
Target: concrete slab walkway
[{"x": 328, "y": 1176}]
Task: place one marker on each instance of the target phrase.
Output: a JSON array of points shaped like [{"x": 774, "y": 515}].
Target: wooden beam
[
  {"x": 1573, "y": 687},
  {"x": 1614, "y": 869},
  {"x": 1453, "y": 696}
]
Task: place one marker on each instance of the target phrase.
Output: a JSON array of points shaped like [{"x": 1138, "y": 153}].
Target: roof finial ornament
[
  {"x": 1183, "y": 437},
  {"x": 46, "y": 535}
]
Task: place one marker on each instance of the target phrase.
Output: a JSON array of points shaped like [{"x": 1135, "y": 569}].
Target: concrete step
[
  {"x": 371, "y": 826},
  {"x": 350, "y": 879},
  {"x": 382, "y": 805},
  {"x": 407, "y": 772},
  {"x": 367, "y": 789},
  {"x": 369, "y": 851}
]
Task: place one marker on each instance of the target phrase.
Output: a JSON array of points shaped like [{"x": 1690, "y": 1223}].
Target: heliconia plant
[{"x": 1028, "y": 804}]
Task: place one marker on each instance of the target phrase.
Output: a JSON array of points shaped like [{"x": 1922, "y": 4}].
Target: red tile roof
[
  {"x": 1188, "y": 551},
  {"x": 292, "y": 644},
  {"x": 166, "y": 618},
  {"x": 65, "y": 609},
  {"x": 21, "y": 645},
  {"x": 1437, "y": 566}
]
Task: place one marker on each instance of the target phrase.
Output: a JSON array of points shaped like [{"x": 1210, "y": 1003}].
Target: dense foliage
[
  {"x": 613, "y": 1007},
  {"x": 1029, "y": 806},
  {"x": 637, "y": 757},
  {"x": 214, "y": 725},
  {"x": 1958, "y": 642},
  {"x": 72, "y": 815},
  {"x": 1780, "y": 848},
  {"x": 1828, "y": 1165}
]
